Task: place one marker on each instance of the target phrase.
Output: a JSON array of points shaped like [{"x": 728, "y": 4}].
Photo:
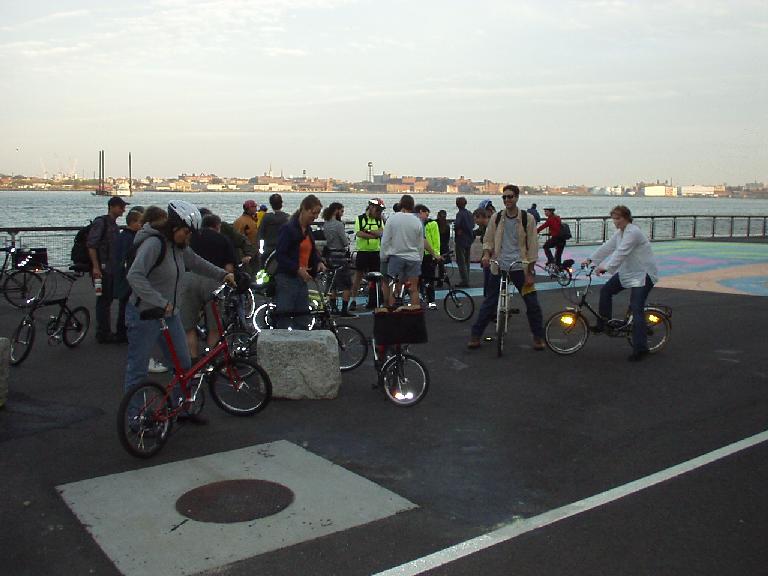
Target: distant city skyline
[{"x": 592, "y": 92}]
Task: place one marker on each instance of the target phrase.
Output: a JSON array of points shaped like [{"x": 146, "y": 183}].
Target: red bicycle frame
[{"x": 181, "y": 376}]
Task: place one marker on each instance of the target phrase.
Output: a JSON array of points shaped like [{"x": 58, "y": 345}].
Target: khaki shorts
[{"x": 196, "y": 292}]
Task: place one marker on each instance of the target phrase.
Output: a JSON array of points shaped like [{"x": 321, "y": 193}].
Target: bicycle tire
[
  {"x": 143, "y": 419},
  {"x": 459, "y": 305},
  {"x": 404, "y": 378},
  {"x": 659, "y": 328},
  {"x": 76, "y": 324},
  {"x": 20, "y": 286},
  {"x": 253, "y": 391},
  {"x": 22, "y": 340},
  {"x": 353, "y": 347},
  {"x": 566, "y": 332},
  {"x": 249, "y": 303},
  {"x": 261, "y": 317},
  {"x": 563, "y": 277}
]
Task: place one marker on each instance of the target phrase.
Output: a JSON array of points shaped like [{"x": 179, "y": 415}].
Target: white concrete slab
[{"x": 132, "y": 515}]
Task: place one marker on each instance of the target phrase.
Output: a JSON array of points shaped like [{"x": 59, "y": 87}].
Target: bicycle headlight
[
  {"x": 262, "y": 277},
  {"x": 653, "y": 319},
  {"x": 567, "y": 320}
]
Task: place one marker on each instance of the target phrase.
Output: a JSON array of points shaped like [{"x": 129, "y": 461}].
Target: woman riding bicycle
[
  {"x": 162, "y": 256},
  {"x": 629, "y": 257}
]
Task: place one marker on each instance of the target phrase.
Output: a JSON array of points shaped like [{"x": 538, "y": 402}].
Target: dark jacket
[
  {"x": 463, "y": 226},
  {"x": 124, "y": 242},
  {"x": 288, "y": 240}
]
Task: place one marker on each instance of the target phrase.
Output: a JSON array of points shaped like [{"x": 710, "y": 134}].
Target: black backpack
[
  {"x": 79, "y": 253},
  {"x": 565, "y": 231}
]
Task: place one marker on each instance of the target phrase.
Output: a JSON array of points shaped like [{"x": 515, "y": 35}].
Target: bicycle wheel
[
  {"x": 250, "y": 391},
  {"x": 262, "y": 319},
  {"x": 249, "y": 303},
  {"x": 76, "y": 324},
  {"x": 143, "y": 419},
  {"x": 22, "y": 340},
  {"x": 21, "y": 286},
  {"x": 658, "y": 327},
  {"x": 404, "y": 379},
  {"x": 353, "y": 347},
  {"x": 563, "y": 276},
  {"x": 459, "y": 305},
  {"x": 566, "y": 332}
]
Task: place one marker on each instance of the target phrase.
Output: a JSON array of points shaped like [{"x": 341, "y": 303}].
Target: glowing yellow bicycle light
[
  {"x": 567, "y": 320},
  {"x": 653, "y": 319}
]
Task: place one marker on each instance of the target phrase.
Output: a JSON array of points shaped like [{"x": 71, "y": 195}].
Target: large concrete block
[
  {"x": 301, "y": 364},
  {"x": 5, "y": 356}
]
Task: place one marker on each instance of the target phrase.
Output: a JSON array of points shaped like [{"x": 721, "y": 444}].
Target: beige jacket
[{"x": 527, "y": 238}]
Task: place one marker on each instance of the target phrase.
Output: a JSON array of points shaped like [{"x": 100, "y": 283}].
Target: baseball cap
[
  {"x": 263, "y": 208},
  {"x": 117, "y": 201}
]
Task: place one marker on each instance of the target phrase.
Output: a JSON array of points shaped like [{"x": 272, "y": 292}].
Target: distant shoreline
[{"x": 388, "y": 194}]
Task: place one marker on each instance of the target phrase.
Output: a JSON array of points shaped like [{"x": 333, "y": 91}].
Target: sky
[{"x": 544, "y": 92}]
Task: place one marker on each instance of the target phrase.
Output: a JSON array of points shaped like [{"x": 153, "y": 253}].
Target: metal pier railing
[{"x": 585, "y": 230}]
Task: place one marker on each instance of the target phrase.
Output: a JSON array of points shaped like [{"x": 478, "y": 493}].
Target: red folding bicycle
[{"x": 237, "y": 384}]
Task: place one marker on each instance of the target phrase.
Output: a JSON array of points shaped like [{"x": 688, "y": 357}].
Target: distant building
[
  {"x": 658, "y": 190},
  {"x": 697, "y": 190}
]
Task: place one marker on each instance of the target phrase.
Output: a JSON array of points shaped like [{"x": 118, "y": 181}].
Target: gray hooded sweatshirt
[{"x": 162, "y": 285}]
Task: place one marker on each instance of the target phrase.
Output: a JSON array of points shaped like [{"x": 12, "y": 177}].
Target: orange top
[{"x": 305, "y": 249}]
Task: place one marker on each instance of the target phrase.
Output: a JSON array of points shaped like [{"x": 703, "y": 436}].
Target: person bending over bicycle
[
  {"x": 510, "y": 237},
  {"x": 629, "y": 257},
  {"x": 162, "y": 257}
]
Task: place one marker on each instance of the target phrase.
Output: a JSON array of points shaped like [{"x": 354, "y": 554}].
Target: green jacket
[
  {"x": 432, "y": 234},
  {"x": 363, "y": 222}
]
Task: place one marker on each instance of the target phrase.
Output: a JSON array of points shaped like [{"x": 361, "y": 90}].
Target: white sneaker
[
  {"x": 156, "y": 367},
  {"x": 432, "y": 306}
]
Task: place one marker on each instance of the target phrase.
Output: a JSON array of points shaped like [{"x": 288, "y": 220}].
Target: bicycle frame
[{"x": 183, "y": 377}]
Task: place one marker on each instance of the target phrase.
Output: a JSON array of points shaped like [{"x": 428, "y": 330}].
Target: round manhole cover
[{"x": 234, "y": 501}]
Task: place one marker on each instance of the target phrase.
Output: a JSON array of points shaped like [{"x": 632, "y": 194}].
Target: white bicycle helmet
[
  {"x": 378, "y": 202},
  {"x": 185, "y": 213}
]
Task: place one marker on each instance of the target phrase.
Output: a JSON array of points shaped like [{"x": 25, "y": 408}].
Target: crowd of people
[{"x": 173, "y": 257}]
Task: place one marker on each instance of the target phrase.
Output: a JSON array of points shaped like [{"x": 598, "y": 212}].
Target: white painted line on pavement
[{"x": 517, "y": 528}]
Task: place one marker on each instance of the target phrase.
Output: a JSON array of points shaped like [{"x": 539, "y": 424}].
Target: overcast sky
[{"x": 534, "y": 92}]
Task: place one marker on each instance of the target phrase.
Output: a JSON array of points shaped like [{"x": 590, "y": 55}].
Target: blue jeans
[
  {"x": 291, "y": 297},
  {"x": 637, "y": 299},
  {"x": 142, "y": 337},
  {"x": 488, "y": 307}
]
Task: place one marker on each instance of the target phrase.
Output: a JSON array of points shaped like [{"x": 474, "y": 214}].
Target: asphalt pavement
[{"x": 497, "y": 442}]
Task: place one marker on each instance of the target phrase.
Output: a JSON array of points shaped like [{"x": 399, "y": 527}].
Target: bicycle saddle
[
  {"x": 374, "y": 276},
  {"x": 567, "y": 263}
]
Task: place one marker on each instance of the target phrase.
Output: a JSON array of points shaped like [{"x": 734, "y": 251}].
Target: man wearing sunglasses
[{"x": 509, "y": 239}]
